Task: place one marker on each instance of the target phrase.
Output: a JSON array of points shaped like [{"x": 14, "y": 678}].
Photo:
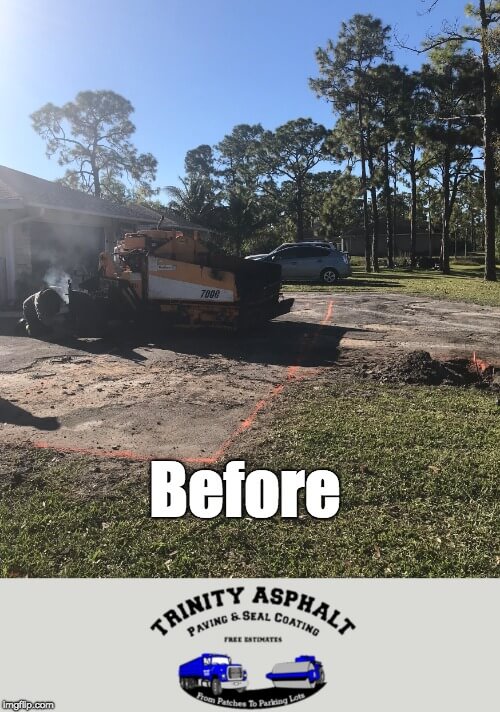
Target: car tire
[
  {"x": 329, "y": 276},
  {"x": 216, "y": 687}
]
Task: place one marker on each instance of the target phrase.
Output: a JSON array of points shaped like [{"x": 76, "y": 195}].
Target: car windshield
[{"x": 221, "y": 660}]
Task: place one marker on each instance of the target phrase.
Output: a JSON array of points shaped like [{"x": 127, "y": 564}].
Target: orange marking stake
[{"x": 480, "y": 364}]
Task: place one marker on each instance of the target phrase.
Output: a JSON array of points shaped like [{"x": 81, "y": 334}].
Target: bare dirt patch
[
  {"x": 419, "y": 368},
  {"x": 187, "y": 396}
]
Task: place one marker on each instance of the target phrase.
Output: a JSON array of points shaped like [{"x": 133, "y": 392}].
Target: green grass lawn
[
  {"x": 419, "y": 474},
  {"x": 465, "y": 284}
]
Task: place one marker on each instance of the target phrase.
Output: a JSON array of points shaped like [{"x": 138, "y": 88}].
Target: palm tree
[
  {"x": 194, "y": 201},
  {"x": 241, "y": 217}
]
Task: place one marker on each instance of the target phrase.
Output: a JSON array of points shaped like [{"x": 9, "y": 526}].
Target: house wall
[
  {"x": 3, "y": 268},
  {"x": 33, "y": 243},
  {"x": 35, "y": 239},
  {"x": 14, "y": 253},
  {"x": 62, "y": 251},
  {"x": 22, "y": 252}
]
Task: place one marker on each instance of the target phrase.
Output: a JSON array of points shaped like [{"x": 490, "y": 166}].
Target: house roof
[
  {"x": 22, "y": 189},
  {"x": 172, "y": 219},
  {"x": 8, "y": 197}
]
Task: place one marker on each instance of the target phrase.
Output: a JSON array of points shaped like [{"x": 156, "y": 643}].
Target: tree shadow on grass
[
  {"x": 379, "y": 278},
  {"x": 370, "y": 281},
  {"x": 375, "y": 283}
]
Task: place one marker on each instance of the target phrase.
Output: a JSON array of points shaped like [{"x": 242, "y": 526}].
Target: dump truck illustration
[
  {"x": 215, "y": 671},
  {"x": 162, "y": 277},
  {"x": 305, "y": 672}
]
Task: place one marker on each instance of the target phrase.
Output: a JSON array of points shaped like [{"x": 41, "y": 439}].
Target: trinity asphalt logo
[
  {"x": 215, "y": 679},
  {"x": 267, "y": 644}
]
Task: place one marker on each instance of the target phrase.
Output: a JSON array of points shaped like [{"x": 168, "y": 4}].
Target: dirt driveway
[{"x": 190, "y": 396}]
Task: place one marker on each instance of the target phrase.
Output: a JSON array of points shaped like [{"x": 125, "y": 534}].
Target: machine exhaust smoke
[{"x": 58, "y": 278}]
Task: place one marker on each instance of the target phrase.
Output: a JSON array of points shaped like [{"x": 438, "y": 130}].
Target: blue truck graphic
[
  {"x": 305, "y": 672},
  {"x": 215, "y": 671}
]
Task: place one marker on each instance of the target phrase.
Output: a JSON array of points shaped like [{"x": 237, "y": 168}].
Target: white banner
[{"x": 365, "y": 644}]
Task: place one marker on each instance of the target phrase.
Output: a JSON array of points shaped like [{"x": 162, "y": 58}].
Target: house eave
[{"x": 96, "y": 213}]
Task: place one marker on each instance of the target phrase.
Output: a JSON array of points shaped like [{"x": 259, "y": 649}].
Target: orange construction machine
[{"x": 158, "y": 276}]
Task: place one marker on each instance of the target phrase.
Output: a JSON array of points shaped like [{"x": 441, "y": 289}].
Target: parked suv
[{"x": 309, "y": 262}]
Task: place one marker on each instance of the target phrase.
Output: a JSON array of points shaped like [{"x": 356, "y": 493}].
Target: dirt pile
[{"x": 418, "y": 367}]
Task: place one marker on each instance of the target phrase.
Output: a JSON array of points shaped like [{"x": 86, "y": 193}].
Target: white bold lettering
[
  {"x": 322, "y": 494},
  {"x": 168, "y": 498},
  {"x": 262, "y": 494},
  {"x": 205, "y": 494}
]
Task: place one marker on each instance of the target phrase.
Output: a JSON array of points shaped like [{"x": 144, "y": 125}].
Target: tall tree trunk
[
  {"x": 430, "y": 231},
  {"x": 97, "y": 181},
  {"x": 388, "y": 210},
  {"x": 489, "y": 156},
  {"x": 375, "y": 229},
  {"x": 454, "y": 191},
  {"x": 413, "y": 213},
  {"x": 95, "y": 169},
  {"x": 395, "y": 210},
  {"x": 445, "y": 237},
  {"x": 366, "y": 224},
  {"x": 375, "y": 226},
  {"x": 300, "y": 211},
  {"x": 366, "y": 221}
]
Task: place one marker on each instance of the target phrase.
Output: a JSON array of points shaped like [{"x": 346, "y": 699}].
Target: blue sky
[{"x": 192, "y": 68}]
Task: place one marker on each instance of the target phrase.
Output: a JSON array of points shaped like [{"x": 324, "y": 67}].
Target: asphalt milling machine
[{"x": 161, "y": 277}]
